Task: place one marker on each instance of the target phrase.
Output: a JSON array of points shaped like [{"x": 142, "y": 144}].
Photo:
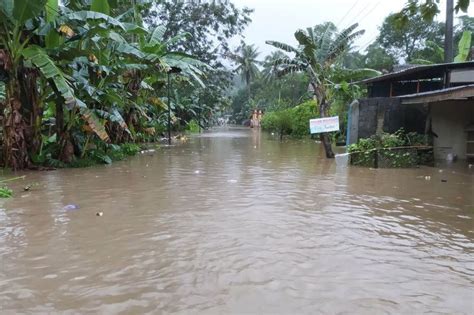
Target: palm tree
[
  {"x": 270, "y": 65},
  {"x": 319, "y": 55},
  {"x": 246, "y": 60}
]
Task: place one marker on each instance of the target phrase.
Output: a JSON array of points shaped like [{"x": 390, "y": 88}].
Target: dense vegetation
[
  {"x": 326, "y": 66},
  {"x": 85, "y": 81},
  {"x": 399, "y": 149},
  {"x": 80, "y": 79}
]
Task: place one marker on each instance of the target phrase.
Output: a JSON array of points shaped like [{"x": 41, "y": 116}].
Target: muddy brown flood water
[{"x": 234, "y": 222}]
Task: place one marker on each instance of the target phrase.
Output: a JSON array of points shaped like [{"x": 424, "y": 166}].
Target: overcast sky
[{"x": 279, "y": 19}]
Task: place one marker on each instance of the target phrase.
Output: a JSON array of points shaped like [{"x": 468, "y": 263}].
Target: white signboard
[{"x": 326, "y": 124}]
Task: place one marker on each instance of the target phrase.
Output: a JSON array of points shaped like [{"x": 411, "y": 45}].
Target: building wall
[
  {"x": 448, "y": 121},
  {"x": 384, "y": 114}
]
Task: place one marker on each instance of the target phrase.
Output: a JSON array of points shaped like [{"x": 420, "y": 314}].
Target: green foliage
[
  {"x": 130, "y": 149},
  {"x": 389, "y": 150},
  {"x": 246, "y": 60},
  {"x": 269, "y": 93},
  {"x": 3, "y": 94},
  {"x": 464, "y": 47},
  {"x": 99, "y": 77},
  {"x": 427, "y": 9},
  {"x": 379, "y": 58},
  {"x": 193, "y": 126},
  {"x": 5, "y": 192},
  {"x": 101, "y": 6},
  {"x": 405, "y": 40},
  {"x": 292, "y": 121}
]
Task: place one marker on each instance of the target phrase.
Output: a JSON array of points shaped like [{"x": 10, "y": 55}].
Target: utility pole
[{"x": 448, "y": 36}]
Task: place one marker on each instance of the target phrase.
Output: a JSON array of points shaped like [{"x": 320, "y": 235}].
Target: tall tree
[
  {"x": 320, "y": 56},
  {"x": 270, "y": 68},
  {"x": 427, "y": 9},
  {"x": 245, "y": 58},
  {"x": 378, "y": 58},
  {"x": 212, "y": 25},
  {"x": 403, "y": 41}
]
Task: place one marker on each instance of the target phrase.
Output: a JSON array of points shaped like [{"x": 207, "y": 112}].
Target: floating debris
[
  {"x": 71, "y": 207},
  {"x": 147, "y": 151},
  {"x": 427, "y": 177}
]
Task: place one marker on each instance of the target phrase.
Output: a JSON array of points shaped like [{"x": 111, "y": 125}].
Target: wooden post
[{"x": 448, "y": 37}]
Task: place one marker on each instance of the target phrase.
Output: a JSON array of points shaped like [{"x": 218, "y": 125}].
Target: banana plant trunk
[
  {"x": 323, "y": 112},
  {"x": 15, "y": 150},
  {"x": 31, "y": 108}
]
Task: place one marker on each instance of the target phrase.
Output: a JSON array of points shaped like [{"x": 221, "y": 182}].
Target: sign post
[{"x": 326, "y": 124}]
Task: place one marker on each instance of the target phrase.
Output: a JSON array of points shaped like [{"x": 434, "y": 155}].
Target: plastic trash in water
[{"x": 71, "y": 207}]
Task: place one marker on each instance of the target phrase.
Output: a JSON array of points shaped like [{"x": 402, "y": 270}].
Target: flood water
[{"x": 235, "y": 222}]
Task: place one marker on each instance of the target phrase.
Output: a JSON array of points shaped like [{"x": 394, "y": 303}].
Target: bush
[
  {"x": 292, "y": 121},
  {"x": 130, "y": 148},
  {"x": 390, "y": 150},
  {"x": 193, "y": 126}
]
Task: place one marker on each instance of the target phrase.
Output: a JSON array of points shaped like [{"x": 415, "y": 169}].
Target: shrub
[
  {"x": 130, "y": 148},
  {"x": 300, "y": 116},
  {"x": 193, "y": 126},
  {"x": 292, "y": 121},
  {"x": 389, "y": 150}
]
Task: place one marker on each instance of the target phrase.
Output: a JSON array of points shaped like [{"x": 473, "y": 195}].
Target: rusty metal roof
[
  {"x": 421, "y": 72},
  {"x": 453, "y": 93}
]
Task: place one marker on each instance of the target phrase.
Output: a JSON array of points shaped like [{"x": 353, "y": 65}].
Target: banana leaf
[
  {"x": 464, "y": 46},
  {"x": 101, "y": 6},
  {"x": 95, "y": 124},
  {"x": 38, "y": 57}
]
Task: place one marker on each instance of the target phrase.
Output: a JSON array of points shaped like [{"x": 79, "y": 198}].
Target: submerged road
[{"x": 236, "y": 222}]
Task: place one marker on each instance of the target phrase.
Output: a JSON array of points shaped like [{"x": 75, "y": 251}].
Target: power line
[
  {"x": 358, "y": 14},
  {"x": 347, "y": 13},
  {"x": 367, "y": 44},
  {"x": 371, "y": 10}
]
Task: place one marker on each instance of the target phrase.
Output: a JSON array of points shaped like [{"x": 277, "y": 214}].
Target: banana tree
[
  {"x": 22, "y": 61},
  {"x": 319, "y": 56}
]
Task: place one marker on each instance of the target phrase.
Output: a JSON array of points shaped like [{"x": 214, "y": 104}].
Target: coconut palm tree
[
  {"x": 319, "y": 54},
  {"x": 247, "y": 63}
]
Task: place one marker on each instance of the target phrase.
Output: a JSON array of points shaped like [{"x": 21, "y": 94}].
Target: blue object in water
[{"x": 71, "y": 207}]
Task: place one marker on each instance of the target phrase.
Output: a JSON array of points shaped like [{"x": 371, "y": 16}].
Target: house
[{"x": 437, "y": 100}]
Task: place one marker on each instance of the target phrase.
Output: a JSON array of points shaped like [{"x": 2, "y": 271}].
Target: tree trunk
[
  {"x": 323, "y": 108},
  {"x": 15, "y": 150},
  {"x": 66, "y": 148},
  {"x": 31, "y": 109}
]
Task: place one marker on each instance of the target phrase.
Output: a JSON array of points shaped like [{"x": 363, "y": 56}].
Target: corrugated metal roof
[
  {"x": 420, "y": 72},
  {"x": 467, "y": 92}
]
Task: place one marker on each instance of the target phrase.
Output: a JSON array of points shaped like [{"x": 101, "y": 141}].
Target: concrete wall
[
  {"x": 383, "y": 114},
  {"x": 448, "y": 121}
]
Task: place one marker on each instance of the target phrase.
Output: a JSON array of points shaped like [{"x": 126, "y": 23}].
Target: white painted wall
[{"x": 449, "y": 119}]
